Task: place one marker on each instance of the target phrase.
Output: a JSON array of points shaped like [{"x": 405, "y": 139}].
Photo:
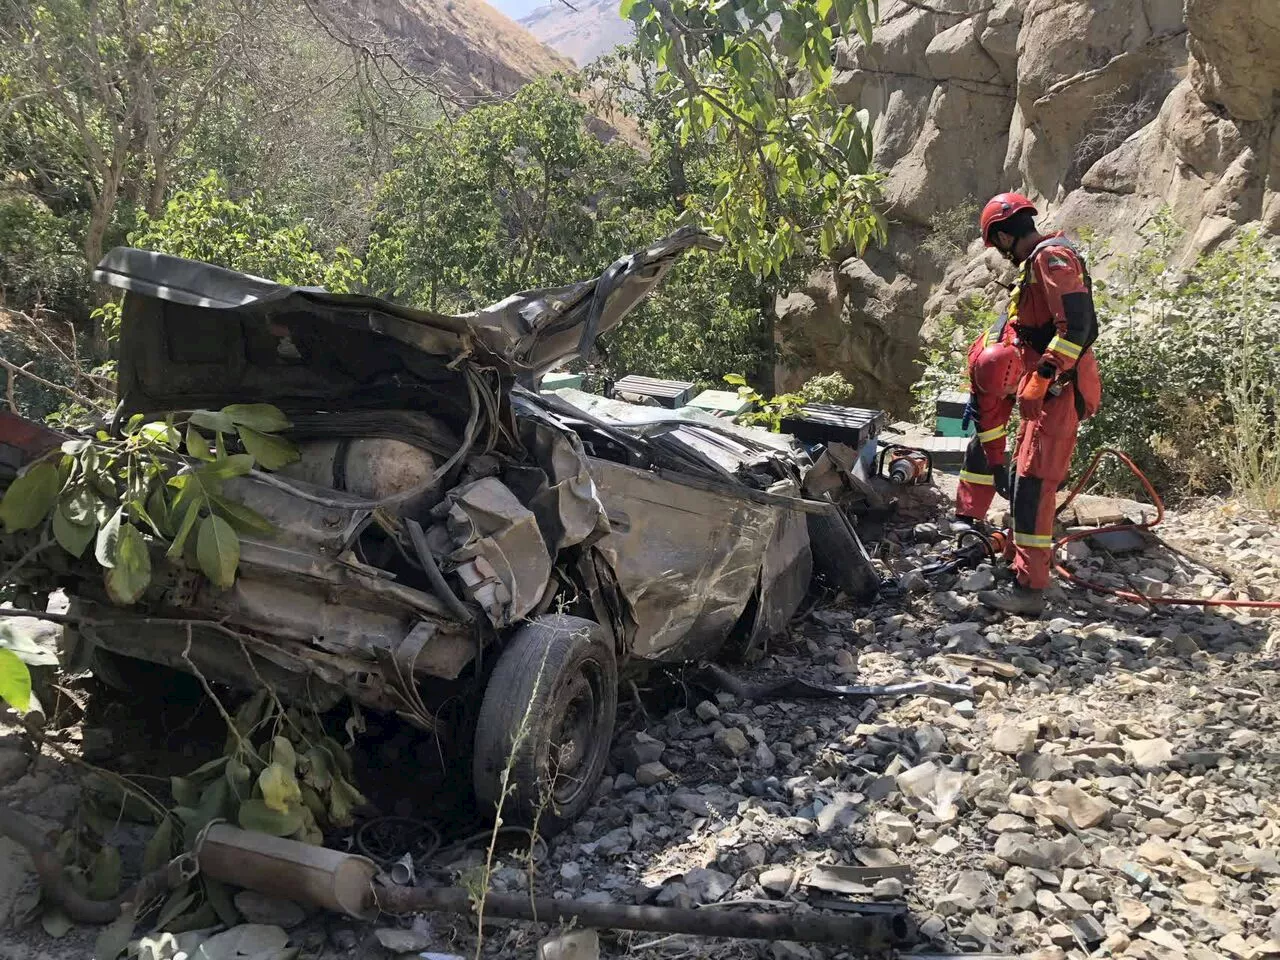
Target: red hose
[{"x": 1143, "y": 526}]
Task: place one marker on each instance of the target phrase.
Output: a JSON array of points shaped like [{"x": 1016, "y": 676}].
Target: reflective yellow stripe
[
  {"x": 995, "y": 433},
  {"x": 1033, "y": 540},
  {"x": 1066, "y": 348},
  {"x": 1013, "y": 303},
  {"x": 986, "y": 479}
]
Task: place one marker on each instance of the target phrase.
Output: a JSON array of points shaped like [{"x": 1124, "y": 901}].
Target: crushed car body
[{"x": 450, "y": 535}]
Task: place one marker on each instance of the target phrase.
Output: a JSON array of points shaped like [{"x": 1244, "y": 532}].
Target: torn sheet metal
[
  {"x": 784, "y": 577},
  {"x": 687, "y": 559},
  {"x": 496, "y": 549},
  {"x": 793, "y": 688},
  {"x": 199, "y": 335},
  {"x": 560, "y": 490}
]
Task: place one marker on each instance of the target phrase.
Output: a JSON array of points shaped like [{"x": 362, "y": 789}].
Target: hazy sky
[{"x": 515, "y": 9}]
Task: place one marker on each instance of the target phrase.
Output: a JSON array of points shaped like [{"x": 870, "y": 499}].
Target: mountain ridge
[{"x": 583, "y": 34}]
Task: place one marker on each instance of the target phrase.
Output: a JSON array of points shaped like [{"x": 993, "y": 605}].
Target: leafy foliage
[
  {"x": 125, "y": 494},
  {"x": 510, "y": 196},
  {"x": 41, "y": 264},
  {"x": 951, "y": 230},
  {"x": 945, "y": 367},
  {"x": 829, "y": 388},
  {"x": 769, "y": 412},
  {"x": 205, "y": 223},
  {"x": 755, "y": 76},
  {"x": 15, "y": 681}
]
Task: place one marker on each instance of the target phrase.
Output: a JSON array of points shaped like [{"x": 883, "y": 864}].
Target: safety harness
[{"x": 1040, "y": 338}]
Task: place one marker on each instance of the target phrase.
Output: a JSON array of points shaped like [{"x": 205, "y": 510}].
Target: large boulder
[
  {"x": 1235, "y": 55},
  {"x": 1104, "y": 111}
]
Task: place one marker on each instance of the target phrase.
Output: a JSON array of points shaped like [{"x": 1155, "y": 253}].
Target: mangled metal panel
[
  {"x": 494, "y": 546},
  {"x": 194, "y": 334},
  {"x": 560, "y": 489},
  {"x": 541, "y": 329},
  {"x": 784, "y": 575},
  {"x": 687, "y": 559}
]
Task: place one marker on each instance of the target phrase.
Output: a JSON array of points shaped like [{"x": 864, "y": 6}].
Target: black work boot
[{"x": 1018, "y": 599}]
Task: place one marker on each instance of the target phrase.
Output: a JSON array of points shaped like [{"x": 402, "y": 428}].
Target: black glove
[
  {"x": 1001, "y": 473},
  {"x": 970, "y": 412}
]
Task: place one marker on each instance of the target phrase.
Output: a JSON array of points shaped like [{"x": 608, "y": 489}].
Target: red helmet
[
  {"x": 997, "y": 370},
  {"x": 1001, "y": 207}
]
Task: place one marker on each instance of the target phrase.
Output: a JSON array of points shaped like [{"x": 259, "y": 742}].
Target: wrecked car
[{"x": 452, "y": 543}]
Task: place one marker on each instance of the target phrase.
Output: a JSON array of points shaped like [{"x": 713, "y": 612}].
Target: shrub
[
  {"x": 829, "y": 388},
  {"x": 41, "y": 263},
  {"x": 206, "y": 223},
  {"x": 945, "y": 367}
]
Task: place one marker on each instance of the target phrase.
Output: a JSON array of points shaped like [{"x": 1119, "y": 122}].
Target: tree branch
[{"x": 78, "y": 397}]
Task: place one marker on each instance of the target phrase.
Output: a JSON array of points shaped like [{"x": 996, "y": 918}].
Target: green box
[
  {"x": 720, "y": 403},
  {"x": 561, "y": 380},
  {"x": 951, "y": 427}
]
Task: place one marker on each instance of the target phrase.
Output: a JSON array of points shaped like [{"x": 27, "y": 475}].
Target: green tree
[
  {"x": 755, "y": 76},
  {"x": 120, "y": 87},
  {"x": 205, "y": 223},
  {"x": 512, "y": 195}
]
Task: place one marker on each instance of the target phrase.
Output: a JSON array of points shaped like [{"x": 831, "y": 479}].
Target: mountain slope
[
  {"x": 465, "y": 46},
  {"x": 584, "y": 34}
]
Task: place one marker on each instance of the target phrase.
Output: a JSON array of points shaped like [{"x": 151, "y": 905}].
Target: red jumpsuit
[
  {"x": 1051, "y": 316},
  {"x": 993, "y": 403}
]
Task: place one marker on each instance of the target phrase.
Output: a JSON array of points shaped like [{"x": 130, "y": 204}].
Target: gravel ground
[{"x": 1109, "y": 789}]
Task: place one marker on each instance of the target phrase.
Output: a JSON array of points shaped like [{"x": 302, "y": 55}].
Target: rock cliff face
[{"x": 1103, "y": 111}]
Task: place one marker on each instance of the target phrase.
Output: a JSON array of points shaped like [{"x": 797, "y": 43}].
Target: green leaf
[
  {"x": 218, "y": 551},
  {"x": 185, "y": 792},
  {"x": 343, "y": 799},
  {"x": 224, "y": 468},
  {"x": 257, "y": 416},
  {"x": 279, "y": 787},
  {"x": 30, "y": 497},
  {"x": 81, "y": 506},
  {"x": 317, "y": 763},
  {"x": 200, "y": 918},
  {"x": 15, "y": 681},
  {"x": 219, "y": 897},
  {"x": 184, "y": 531},
  {"x": 129, "y": 578},
  {"x": 72, "y": 537},
  {"x": 159, "y": 847},
  {"x": 256, "y": 815},
  {"x": 105, "y": 873},
  {"x": 270, "y": 451},
  {"x": 158, "y": 511},
  {"x": 243, "y": 519},
  {"x": 207, "y": 771},
  {"x": 282, "y": 752},
  {"x": 55, "y": 922},
  {"x": 114, "y": 938},
  {"x": 212, "y": 420},
  {"x": 109, "y": 539},
  {"x": 174, "y": 907},
  {"x": 197, "y": 445}
]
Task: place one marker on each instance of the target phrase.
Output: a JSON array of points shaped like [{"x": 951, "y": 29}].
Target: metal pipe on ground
[
  {"x": 869, "y": 932},
  {"x": 337, "y": 881}
]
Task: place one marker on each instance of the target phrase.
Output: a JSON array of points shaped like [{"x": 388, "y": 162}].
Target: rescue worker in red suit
[{"x": 1038, "y": 354}]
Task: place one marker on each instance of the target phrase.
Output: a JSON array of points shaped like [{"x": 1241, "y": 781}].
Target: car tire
[{"x": 557, "y": 678}]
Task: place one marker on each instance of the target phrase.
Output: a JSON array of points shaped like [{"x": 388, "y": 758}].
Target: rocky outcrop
[
  {"x": 467, "y": 48},
  {"x": 1103, "y": 111}
]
